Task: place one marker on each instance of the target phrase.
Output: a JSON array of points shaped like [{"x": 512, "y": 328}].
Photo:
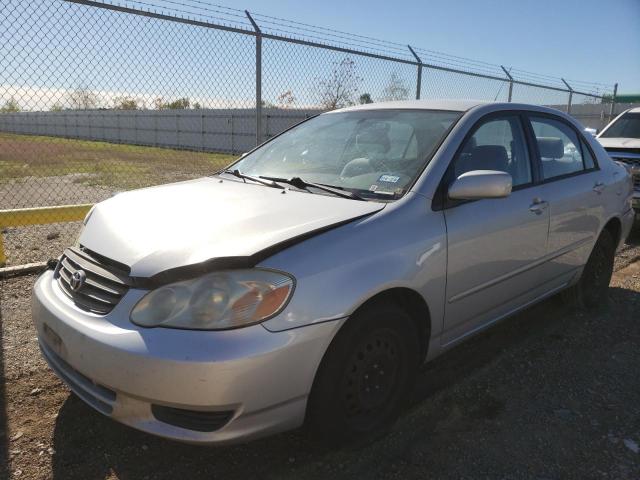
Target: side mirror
[{"x": 479, "y": 184}]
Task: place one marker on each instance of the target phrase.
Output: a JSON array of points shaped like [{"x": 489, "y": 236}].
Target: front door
[{"x": 495, "y": 246}]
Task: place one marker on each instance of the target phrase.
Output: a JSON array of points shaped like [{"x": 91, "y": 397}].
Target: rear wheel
[
  {"x": 365, "y": 376},
  {"x": 591, "y": 291}
]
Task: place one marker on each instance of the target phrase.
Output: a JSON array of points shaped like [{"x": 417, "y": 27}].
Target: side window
[
  {"x": 559, "y": 147},
  {"x": 589, "y": 163},
  {"x": 498, "y": 144}
]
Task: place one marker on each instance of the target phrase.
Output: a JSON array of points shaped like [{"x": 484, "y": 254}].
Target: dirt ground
[{"x": 552, "y": 393}]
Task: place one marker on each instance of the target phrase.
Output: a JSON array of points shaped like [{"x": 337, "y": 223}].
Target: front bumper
[{"x": 260, "y": 379}]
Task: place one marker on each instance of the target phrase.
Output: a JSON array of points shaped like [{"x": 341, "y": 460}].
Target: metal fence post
[
  {"x": 612, "y": 109},
  {"x": 419, "y": 79},
  {"x": 258, "y": 78},
  {"x": 202, "y": 129},
  {"x": 232, "y": 133},
  {"x": 570, "y": 95},
  {"x": 506, "y": 72}
]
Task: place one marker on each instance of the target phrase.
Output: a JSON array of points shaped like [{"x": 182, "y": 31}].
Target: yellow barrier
[{"x": 39, "y": 216}]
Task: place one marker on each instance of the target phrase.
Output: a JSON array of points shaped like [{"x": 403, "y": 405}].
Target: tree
[
  {"x": 125, "y": 103},
  {"x": 56, "y": 107},
  {"x": 179, "y": 104},
  {"x": 83, "y": 98},
  {"x": 395, "y": 89},
  {"x": 10, "y": 106},
  {"x": 365, "y": 98},
  {"x": 340, "y": 88},
  {"x": 196, "y": 106},
  {"x": 286, "y": 99}
]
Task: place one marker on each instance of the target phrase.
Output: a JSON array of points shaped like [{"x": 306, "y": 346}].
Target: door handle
[
  {"x": 598, "y": 187},
  {"x": 538, "y": 206}
]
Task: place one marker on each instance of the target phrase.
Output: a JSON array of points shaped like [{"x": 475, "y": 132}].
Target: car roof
[
  {"x": 451, "y": 105},
  {"x": 634, "y": 110},
  {"x": 463, "y": 106}
]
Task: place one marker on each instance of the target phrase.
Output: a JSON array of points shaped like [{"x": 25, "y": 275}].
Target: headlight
[{"x": 217, "y": 301}]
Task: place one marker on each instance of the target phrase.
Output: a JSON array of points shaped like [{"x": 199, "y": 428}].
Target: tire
[
  {"x": 592, "y": 289},
  {"x": 365, "y": 376}
]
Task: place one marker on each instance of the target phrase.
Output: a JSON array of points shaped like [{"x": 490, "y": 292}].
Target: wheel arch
[
  {"x": 614, "y": 227},
  {"x": 407, "y": 299}
]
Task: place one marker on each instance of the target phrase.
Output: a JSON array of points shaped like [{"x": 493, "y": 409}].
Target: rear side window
[{"x": 559, "y": 148}]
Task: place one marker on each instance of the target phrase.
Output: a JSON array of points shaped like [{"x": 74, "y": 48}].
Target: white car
[{"x": 621, "y": 140}]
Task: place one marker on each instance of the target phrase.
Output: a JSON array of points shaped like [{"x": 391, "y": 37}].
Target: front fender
[{"x": 402, "y": 246}]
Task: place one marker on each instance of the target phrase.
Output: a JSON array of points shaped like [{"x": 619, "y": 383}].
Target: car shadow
[{"x": 90, "y": 446}]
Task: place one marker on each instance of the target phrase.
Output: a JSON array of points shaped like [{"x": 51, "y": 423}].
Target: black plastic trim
[{"x": 196, "y": 420}]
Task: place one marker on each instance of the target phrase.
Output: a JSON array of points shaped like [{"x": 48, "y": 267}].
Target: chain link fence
[{"x": 98, "y": 97}]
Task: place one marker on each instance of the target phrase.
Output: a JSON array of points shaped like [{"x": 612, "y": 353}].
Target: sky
[
  {"x": 49, "y": 49},
  {"x": 590, "y": 40}
]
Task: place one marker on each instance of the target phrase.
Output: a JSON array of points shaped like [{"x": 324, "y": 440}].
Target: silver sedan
[{"x": 307, "y": 282}]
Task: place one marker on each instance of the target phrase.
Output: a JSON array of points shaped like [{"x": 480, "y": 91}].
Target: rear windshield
[
  {"x": 627, "y": 126},
  {"x": 375, "y": 153}
]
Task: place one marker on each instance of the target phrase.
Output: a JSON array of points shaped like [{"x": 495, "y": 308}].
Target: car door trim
[
  {"x": 514, "y": 310},
  {"x": 518, "y": 271}
]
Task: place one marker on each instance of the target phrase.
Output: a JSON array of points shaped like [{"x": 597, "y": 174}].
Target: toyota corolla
[{"x": 308, "y": 281}]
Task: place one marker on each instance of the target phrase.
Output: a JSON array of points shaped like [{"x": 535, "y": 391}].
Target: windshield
[
  {"x": 375, "y": 153},
  {"x": 627, "y": 126}
]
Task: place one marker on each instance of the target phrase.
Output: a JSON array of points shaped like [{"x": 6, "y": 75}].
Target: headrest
[
  {"x": 470, "y": 145},
  {"x": 490, "y": 157},
  {"x": 483, "y": 157},
  {"x": 373, "y": 140},
  {"x": 550, "y": 147}
]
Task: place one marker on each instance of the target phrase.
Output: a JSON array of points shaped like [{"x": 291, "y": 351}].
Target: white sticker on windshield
[{"x": 389, "y": 178}]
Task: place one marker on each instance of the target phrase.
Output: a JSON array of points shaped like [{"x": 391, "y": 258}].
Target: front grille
[
  {"x": 104, "y": 282},
  {"x": 191, "y": 419},
  {"x": 630, "y": 158}
]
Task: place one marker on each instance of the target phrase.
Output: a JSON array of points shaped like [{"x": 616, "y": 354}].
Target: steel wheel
[{"x": 365, "y": 375}]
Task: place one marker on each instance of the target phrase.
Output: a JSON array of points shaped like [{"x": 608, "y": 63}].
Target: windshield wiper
[
  {"x": 304, "y": 185},
  {"x": 239, "y": 174}
]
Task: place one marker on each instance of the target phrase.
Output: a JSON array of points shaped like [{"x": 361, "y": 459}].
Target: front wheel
[
  {"x": 365, "y": 376},
  {"x": 592, "y": 289}
]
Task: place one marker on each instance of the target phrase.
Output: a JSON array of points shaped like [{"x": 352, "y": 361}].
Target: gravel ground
[{"x": 551, "y": 393}]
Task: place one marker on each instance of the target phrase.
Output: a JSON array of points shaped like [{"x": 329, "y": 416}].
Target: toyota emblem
[{"x": 77, "y": 280}]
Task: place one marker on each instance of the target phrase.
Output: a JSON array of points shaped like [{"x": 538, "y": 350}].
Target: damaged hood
[
  {"x": 619, "y": 142},
  {"x": 171, "y": 226}
]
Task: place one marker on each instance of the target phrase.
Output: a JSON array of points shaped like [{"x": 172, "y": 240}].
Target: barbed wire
[{"x": 287, "y": 28}]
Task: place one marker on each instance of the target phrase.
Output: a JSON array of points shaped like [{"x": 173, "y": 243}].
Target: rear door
[
  {"x": 571, "y": 185},
  {"x": 495, "y": 246}
]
